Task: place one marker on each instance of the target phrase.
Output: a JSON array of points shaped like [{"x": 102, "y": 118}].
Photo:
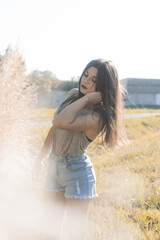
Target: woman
[{"x": 95, "y": 108}]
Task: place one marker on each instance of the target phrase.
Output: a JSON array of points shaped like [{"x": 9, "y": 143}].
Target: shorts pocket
[{"x": 77, "y": 166}]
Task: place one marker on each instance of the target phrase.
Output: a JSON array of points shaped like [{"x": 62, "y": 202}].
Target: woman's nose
[{"x": 87, "y": 80}]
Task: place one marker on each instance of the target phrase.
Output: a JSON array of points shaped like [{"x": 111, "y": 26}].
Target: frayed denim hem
[
  {"x": 81, "y": 197},
  {"x": 73, "y": 196}
]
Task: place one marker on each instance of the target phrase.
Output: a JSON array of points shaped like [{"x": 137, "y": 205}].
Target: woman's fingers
[{"x": 100, "y": 95}]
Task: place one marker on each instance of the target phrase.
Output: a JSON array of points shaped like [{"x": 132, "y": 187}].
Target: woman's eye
[
  {"x": 94, "y": 81},
  {"x": 85, "y": 75}
]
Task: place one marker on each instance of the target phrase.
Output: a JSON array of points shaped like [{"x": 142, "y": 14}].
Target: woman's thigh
[
  {"x": 54, "y": 205},
  {"x": 76, "y": 217},
  {"x": 75, "y": 204},
  {"x": 53, "y": 212}
]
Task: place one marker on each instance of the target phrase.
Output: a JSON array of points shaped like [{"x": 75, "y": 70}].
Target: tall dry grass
[
  {"x": 129, "y": 181},
  {"x": 17, "y": 99}
]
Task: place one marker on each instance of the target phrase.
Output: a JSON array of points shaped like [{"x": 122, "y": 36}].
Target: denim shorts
[{"x": 73, "y": 175}]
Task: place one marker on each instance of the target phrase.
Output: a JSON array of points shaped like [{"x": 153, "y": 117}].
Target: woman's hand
[
  {"x": 37, "y": 168},
  {"x": 94, "y": 97}
]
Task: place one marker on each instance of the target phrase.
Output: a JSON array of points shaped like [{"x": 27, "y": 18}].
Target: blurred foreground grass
[{"x": 128, "y": 182}]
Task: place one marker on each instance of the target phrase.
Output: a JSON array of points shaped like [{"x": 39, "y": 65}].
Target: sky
[{"x": 62, "y": 36}]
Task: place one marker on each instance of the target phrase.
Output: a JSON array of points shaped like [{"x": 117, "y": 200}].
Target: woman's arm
[
  {"x": 66, "y": 119},
  {"x": 46, "y": 148},
  {"x": 47, "y": 145}
]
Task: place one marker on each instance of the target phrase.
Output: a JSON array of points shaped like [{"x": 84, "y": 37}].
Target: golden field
[{"x": 128, "y": 181}]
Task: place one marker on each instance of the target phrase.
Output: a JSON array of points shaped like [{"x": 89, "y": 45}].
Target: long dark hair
[{"x": 111, "y": 109}]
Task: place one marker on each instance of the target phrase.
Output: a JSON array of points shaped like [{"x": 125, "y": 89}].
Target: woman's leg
[
  {"x": 76, "y": 217},
  {"x": 54, "y": 211}
]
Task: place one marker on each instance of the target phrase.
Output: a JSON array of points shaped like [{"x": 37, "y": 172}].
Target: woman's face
[{"x": 89, "y": 80}]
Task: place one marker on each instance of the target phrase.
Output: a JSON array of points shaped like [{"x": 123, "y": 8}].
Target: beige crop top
[{"x": 69, "y": 143}]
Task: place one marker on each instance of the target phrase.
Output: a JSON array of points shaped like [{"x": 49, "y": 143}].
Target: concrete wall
[
  {"x": 142, "y": 91},
  {"x": 51, "y": 99}
]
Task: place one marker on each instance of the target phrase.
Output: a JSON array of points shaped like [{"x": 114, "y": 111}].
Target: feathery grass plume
[{"x": 18, "y": 97}]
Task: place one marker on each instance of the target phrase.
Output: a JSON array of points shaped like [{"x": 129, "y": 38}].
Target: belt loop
[
  {"x": 57, "y": 167},
  {"x": 67, "y": 162}
]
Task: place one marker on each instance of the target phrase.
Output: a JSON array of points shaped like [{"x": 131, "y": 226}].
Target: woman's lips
[{"x": 83, "y": 86}]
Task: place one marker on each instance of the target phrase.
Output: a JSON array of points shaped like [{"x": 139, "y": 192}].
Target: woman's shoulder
[{"x": 72, "y": 91}]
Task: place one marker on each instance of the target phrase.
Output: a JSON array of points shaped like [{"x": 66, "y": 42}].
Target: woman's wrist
[{"x": 86, "y": 99}]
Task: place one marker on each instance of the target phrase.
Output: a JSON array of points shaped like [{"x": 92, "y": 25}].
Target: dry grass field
[{"x": 128, "y": 182}]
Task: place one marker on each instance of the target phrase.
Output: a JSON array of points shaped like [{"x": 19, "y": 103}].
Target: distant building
[{"x": 142, "y": 91}]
